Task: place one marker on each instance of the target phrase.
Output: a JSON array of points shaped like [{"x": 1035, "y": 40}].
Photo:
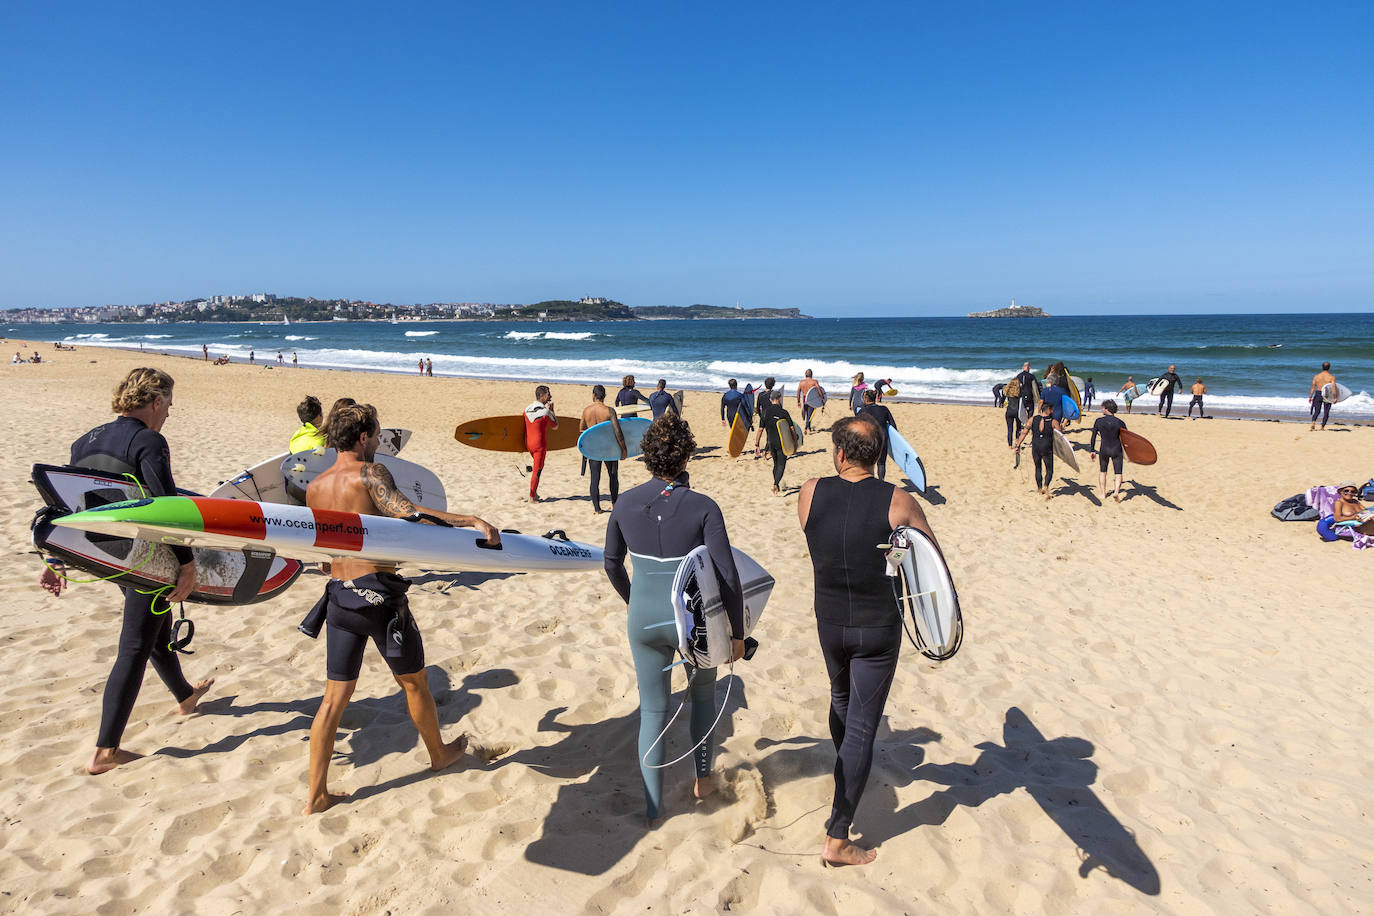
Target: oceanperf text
[{"x": 309, "y": 525}]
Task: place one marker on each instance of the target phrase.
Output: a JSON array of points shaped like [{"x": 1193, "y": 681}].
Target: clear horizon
[{"x": 883, "y": 160}]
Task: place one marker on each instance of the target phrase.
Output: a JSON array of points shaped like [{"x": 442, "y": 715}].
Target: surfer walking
[
  {"x": 804, "y": 388},
  {"x": 732, "y": 404},
  {"x": 1129, "y": 391},
  {"x": 770, "y": 416},
  {"x": 1041, "y": 429},
  {"x": 883, "y": 417},
  {"x": 133, "y": 444},
  {"x": 594, "y": 413},
  {"x": 539, "y": 419},
  {"x": 660, "y": 522},
  {"x": 1166, "y": 396},
  {"x": 661, "y": 401},
  {"x": 629, "y": 395},
  {"x": 1320, "y": 405},
  {"x": 858, "y": 620},
  {"x": 366, "y": 600},
  {"x": 1109, "y": 427}
]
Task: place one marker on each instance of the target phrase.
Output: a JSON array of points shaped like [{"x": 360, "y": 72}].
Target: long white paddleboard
[
  {"x": 905, "y": 457},
  {"x": 926, "y": 592},
  {"x": 321, "y": 534},
  {"x": 222, "y": 576},
  {"x": 703, "y": 627},
  {"x": 264, "y": 482}
]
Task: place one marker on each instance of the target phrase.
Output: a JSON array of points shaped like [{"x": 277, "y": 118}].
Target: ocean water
[{"x": 1251, "y": 364}]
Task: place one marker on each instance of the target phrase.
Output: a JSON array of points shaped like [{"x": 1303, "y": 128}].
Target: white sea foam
[
  {"x": 156, "y": 336},
  {"x": 548, "y": 335},
  {"x": 421, "y": 333},
  {"x": 299, "y": 337}
]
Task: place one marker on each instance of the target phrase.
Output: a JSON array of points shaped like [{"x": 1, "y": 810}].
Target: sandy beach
[{"x": 1157, "y": 707}]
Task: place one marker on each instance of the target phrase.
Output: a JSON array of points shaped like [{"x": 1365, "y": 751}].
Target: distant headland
[
  {"x": 269, "y": 307},
  {"x": 1012, "y": 311}
]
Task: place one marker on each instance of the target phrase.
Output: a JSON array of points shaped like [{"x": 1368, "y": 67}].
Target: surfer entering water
[
  {"x": 1166, "y": 396},
  {"x": 1041, "y": 430},
  {"x": 133, "y": 444},
  {"x": 367, "y": 600},
  {"x": 594, "y": 413},
  {"x": 1109, "y": 427},
  {"x": 1321, "y": 407},
  {"x": 662, "y": 521},
  {"x": 804, "y": 388},
  {"x": 539, "y": 419},
  {"x": 858, "y": 620}
]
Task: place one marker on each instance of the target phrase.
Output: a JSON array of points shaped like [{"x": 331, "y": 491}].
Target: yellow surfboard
[{"x": 739, "y": 433}]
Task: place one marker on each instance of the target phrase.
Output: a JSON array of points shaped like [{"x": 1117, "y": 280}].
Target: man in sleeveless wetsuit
[
  {"x": 1030, "y": 386},
  {"x": 539, "y": 419},
  {"x": 1109, "y": 427},
  {"x": 133, "y": 444},
  {"x": 858, "y": 620},
  {"x": 367, "y": 600},
  {"x": 594, "y": 413},
  {"x": 659, "y": 523},
  {"x": 1041, "y": 430}
]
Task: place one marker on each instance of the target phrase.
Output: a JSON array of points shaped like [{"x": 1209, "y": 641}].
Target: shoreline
[{"x": 1217, "y": 414}]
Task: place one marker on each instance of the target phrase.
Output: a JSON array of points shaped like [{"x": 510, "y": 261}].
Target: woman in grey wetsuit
[{"x": 659, "y": 523}]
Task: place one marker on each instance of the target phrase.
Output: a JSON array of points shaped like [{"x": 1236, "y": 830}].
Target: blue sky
[{"x": 904, "y": 158}]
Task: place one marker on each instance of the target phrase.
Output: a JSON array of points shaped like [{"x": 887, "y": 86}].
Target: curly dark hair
[
  {"x": 668, "y": 445},
  {"x": 859, "y": 438},
  {"x": 349, "y": 424}
]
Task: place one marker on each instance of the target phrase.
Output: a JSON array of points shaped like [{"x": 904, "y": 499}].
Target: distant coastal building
[{"x": 1012, "y": 311}]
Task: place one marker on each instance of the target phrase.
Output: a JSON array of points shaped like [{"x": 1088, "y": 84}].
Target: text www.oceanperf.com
[{"x": 309, "y": 525}]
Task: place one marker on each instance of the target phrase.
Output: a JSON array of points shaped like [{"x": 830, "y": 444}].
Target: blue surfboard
[
  {"x": 749, "y": 405},
  {"x": 598, "y": 442},
  {"x": 1070, "y": 408},
  {"x": 905, "y": 457}
]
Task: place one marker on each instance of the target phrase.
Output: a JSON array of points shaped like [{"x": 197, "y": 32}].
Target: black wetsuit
[
  {"x": 768, "y": 419},
  {"x": 627, "y": 396},
  {"x": 612, "y": 480},
  {"x": 660, "y": 524},
  {"x": 1088, "y": 392},
  {"x": 1042, "y": 448},
  {"x": 1166, "y": 398},
  {"x": 884, "y": 418},
  {"x": 127, "y": 446},
  {"x": 1030, "y": 388},
  {"x": 1013, "y": 418},
  {"x": 858, "y": 622},
  {"x": 1110, "y": 429},
  {"x": 370, "y": 607},
  {"x": 998, "y": 399}
]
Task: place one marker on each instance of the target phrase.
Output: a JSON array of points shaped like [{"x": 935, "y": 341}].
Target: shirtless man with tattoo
[{"x": 368, "y": 600}]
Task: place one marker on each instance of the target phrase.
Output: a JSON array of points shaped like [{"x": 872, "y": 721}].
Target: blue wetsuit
[
  {"x": 659, "y": 524},
  {"x": 127, "y": 446},
  {"x": 731, "y": 403},
  {"x": 661, "y": 401}
]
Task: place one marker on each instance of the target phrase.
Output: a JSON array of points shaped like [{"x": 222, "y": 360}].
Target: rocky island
[{"x": 1012, "y": 311}]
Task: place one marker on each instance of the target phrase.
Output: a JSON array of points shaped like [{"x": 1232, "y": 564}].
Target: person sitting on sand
[
  {"x": 1348, "y": 509},
  {"x": 1109, "y": 427},
  {"x": 310, "y": 435},
  {"x": 594, "y": 413},
  {"x": 17, "y": 359},
  {"x": 858, "y": 618},
  {"x": 660, "y": 522},
  {"x": 367, "y": 600},
  {"x": 539, "y": 419},
  {"x": 133, "y": 444}
]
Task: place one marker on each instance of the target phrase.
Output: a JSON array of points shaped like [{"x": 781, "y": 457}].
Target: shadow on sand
[{"x": 1151, "y": 493}]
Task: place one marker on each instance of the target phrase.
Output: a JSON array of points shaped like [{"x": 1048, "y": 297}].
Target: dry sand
[{"x": 1158, "y": 706}]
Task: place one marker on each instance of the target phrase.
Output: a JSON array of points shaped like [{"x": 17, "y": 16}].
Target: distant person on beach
[
  {"x": 803, "y": 389},
  {"x": 858, "y": 620},
  {"x": 998, "y": 394},
  {"x": 252, "y": 356},
  {"x": 732, "y": 403},
  {"x": 629, "y": 395},
  {"x": 420, "y": 365},
  {"x": 1109, "y": 427},
  {"x": 367, "y": 600},
  {"x": 1088, "y": 393},
  {"x": 281, "y": 360},
  {"x": 1199, "y": 390},
  {"x": 1320, "y": 405},
  {"x": 1041, "y": 430},
  {"x": 17, "y": 358},
  {"x": 205, "y": 351},
  {"x": 539, "y": 419},
  {"x": 661, "y": 521},
  {"x": 429, "y": 367},
  {"x": 133, "y": 444},
  {"x": 1028, "y": 385},
  {"x": 1126, "y": 391},
  {"x": 294, "y": 364},
  {"x": 1166, "y": 397},
  {"x": 310, "y": 435},
  {"x": 773, "y": 414},
  {"x": 856, "y": 393},
  {"x": 1012, "y": 412},
  {"x": 764, "y": 400},
  {"x": 594, "y": 413},
  {"x": 883, "y": 417},
  {"x": 661, "y": 401}
]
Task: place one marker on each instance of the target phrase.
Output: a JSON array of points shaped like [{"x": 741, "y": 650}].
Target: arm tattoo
[{"x": 388, "y": 500}]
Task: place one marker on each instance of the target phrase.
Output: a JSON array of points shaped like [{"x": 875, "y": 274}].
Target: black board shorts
[{"x": 370, "y": 607}]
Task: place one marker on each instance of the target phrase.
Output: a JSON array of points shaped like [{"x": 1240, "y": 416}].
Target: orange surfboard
[
  {"x": 1137, "y": 448},
  {"x": 507, "y": 434},
  {"x": 739, "y": 434}
]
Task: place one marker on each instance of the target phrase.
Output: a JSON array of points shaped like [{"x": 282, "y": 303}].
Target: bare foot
[
  {"x": 188, "y": 705},
  {"x": 107, "y": 758},
  {"x": 453, "y": 752},
  {"x": 534, "y": 499},
  {"x": 596, "y": 511},
  {"x": 704, "y": 787},
  {"x": 653, "y": 823},
  {"x": 843, "y": 852},
  {"x": 1117, "y": 497},
  {"x": 322, "y": 802}
]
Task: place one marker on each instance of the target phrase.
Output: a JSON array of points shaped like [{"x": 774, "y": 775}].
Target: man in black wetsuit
[
  {"x": 1030, "y": 386},
  {"x": 1166, "y": 397},
  {"x": 133, "y": 444},
  {"x": 998, "y": 398},
  {"x": 883, "y": 417},
  {"x": 1109, "y": 427},
  {"x": 770, "y": 415},
  {"x": 858, "y": 621}
]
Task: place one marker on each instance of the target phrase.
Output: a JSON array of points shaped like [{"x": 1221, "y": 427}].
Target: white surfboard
[
  {"x": 418, "y": 484},
  {"x": 815, "y": 397},
  {"x": 1063, "y": 450},
  {"x": 926, "y": 592},
  {"x": 1335, "y": 392},
  {"x": 703, "y": 627},
  {"x": 1157, "y": 386},
  {"x": 263, "y": 482}
]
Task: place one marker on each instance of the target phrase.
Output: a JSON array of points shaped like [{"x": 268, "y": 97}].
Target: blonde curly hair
[{"x": 140, "y": 388}]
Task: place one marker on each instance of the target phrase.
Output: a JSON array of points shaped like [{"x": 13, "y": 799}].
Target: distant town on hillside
[{"x": 286, "y": 309}]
